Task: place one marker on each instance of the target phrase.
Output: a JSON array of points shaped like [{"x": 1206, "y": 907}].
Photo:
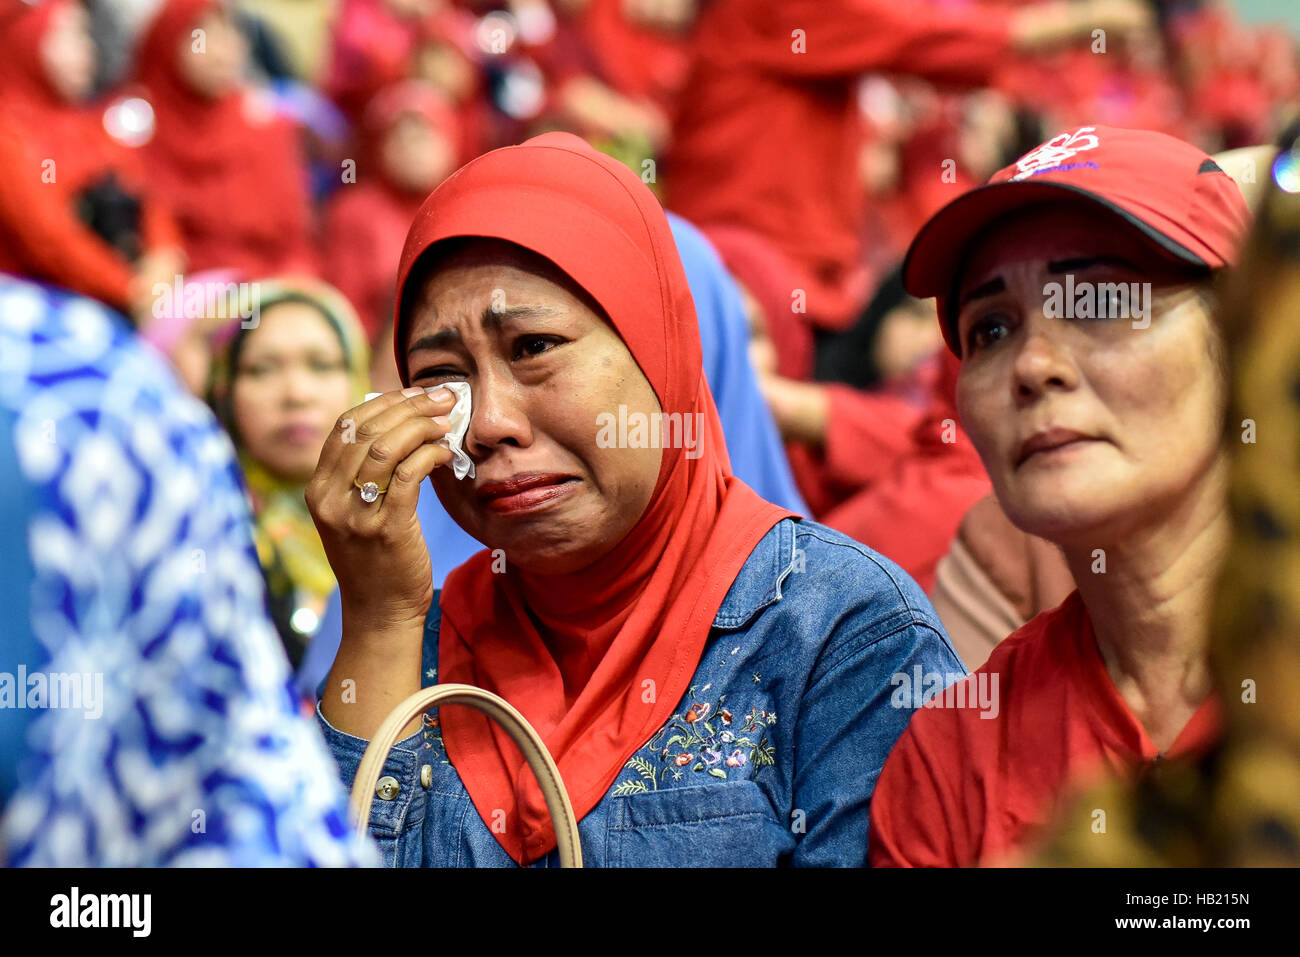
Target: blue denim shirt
[{"x": 770, "y": 758}]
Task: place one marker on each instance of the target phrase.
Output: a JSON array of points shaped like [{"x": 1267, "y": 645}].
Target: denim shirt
[{"x": 769, "y": 759}]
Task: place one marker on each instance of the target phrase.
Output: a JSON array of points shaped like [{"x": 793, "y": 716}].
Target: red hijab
[
  {"x": 41, "y": 232},
  {"x": 23, "y": 83},
  {"x": 642, "y": 613},
  {"x": 194, "y": 132},
  {"x": 366, "y": 223},
  {"x": 28, "y": 100},
  {"x": 390, "y": 105},
  {"x": 372, "y": 48},
  {"x": 772, "y": 279},
  {"x": 230, "y": 168}
]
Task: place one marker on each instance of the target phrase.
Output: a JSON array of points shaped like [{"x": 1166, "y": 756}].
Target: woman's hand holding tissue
[{"x": 363, "y": 497}]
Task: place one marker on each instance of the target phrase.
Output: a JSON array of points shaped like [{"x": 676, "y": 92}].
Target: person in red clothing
[
  {"x": 74, "y": 210},
  {"x": 894, "y": 471},
  {"x": 640, "y": 46},
  {"x": 767, "y": 131},
  {"x": 410, "y": 142},
  {"x": 230, "y": 168},
  {"x": 890, "y": 467},
  {"x": 1076, "y": 287},
  {"x": 445, "y": 58},
  {"x": 910, "y": 507},
  {"x": 1122, "y": 81},
  {"x": 373, "y": 43},
  {"x": 766, "y": 277},
  {"x": 617, "y": 67}
]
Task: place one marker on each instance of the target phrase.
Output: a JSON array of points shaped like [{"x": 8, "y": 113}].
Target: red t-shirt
[
  {"x": 961, "y": 789},
  {"x": 767, "y": 131}
]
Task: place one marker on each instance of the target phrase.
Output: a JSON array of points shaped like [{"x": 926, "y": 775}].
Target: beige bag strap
[{"x": 500, "y": 711}]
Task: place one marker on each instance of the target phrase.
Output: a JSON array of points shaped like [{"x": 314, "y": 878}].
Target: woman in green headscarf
[{"x": 279, "y": 382}]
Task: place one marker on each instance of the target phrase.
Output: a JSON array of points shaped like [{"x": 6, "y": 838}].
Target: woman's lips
[
  {"x": 1050, "y": 441},
  {"x": 525, "y": 491},
  {"x": 301, "y": 435}
]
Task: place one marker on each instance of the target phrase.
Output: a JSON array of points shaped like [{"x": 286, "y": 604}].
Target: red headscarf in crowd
[
  {"x": 775, "y": 282},
  {"x": 229, "y": 167},
  {"x": 27, "y": 98},
  {"x": 41, "y": 234},
  {"x": 396, "y": 101},
  {"x": 452, "y": 30},
  {"x": 372, "y": 48},
  {"x": 366, "y": 221},
  {"x": 644, "y": 610}
]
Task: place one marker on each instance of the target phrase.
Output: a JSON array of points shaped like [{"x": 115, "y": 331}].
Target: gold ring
[{"x": 369, "y": 491}]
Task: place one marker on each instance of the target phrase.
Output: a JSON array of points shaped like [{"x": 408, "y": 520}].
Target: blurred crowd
[
  {"x": 177, "y": 152},
  {"x": 235, "y": 180}
]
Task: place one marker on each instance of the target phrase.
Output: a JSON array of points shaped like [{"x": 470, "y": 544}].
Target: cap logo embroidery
[{"x": 1056, "y": 151}]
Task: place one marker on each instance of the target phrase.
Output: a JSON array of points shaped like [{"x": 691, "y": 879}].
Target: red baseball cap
[{"x": 1172, "y": 193}]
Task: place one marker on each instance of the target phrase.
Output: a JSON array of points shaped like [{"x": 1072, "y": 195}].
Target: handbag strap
[{"x": 515, "y": 725}]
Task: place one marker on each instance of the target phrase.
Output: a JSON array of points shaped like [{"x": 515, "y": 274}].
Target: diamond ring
[{"x": 369, "y": 491}]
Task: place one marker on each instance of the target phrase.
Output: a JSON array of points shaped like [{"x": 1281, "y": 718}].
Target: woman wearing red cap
[
  {"x": 1076, "y": 287},
  {"x": 711, "y": 674}
]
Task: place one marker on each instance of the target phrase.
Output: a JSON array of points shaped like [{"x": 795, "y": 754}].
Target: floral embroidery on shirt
[
  {"x": 431, "y": 732},
  {"x": 703, "y": 739}
]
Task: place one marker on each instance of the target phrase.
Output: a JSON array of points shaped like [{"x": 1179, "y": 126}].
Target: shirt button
[
  {"x": 388, "y": 788},
  {"x": 426, "y": 776}
]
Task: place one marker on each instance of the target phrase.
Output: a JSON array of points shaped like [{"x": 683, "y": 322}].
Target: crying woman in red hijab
[{"x": 714, "y": 676}]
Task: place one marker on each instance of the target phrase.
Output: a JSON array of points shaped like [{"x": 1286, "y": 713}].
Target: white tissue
[{"x": 461, "y": 465}]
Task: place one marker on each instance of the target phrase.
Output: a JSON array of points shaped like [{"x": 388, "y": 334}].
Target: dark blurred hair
[{"x": 850, "y": 356}]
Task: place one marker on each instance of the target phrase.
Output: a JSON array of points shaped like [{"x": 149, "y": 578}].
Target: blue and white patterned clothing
[{"x": 131, "y": 587}]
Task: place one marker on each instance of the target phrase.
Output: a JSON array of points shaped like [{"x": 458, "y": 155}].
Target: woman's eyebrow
[
  {"x": 990, "y": 288},
  {"x": 280, "y": 354},
  {"x": 1079, "y": 264},
  {"x": 442, "y": 339},
  {"x": 492, "y": 317}
]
